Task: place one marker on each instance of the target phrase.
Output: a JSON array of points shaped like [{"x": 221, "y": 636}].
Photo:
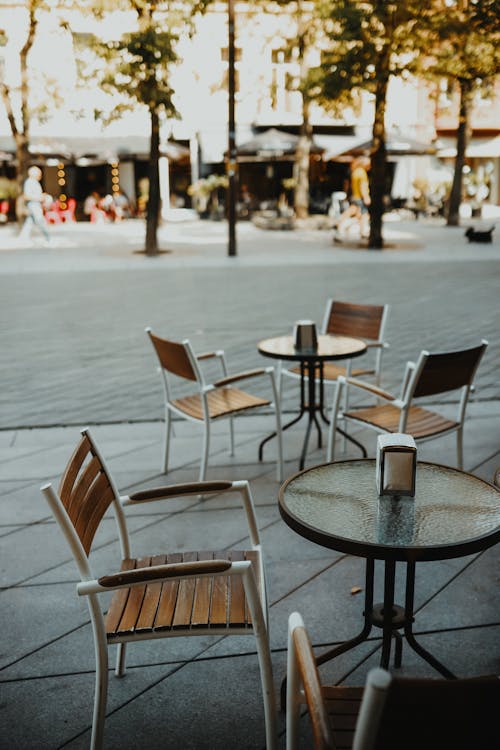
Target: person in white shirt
[{"x": 33, "y": 198}]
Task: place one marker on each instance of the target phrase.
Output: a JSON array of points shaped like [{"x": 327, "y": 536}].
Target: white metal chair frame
[
  {"x": 204, "y": 390},
  {"x": 91, "y": 587},
  {"x": 404, "y": 403},
  {"x": 377, "y": 345},
  {"x": 310, "y": 691}
]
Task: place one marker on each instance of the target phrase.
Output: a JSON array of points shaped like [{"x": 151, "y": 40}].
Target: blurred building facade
[{"x": 68, "y": 138}]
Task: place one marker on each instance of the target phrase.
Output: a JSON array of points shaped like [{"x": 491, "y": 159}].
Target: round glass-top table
[
  {"x": 329, "y": 348},
  {"x": 336, "y": 505}
]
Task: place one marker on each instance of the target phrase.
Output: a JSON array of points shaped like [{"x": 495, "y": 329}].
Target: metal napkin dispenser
[
  {"x": 305, "y": 337},
  {"x": 396, "y": 464}
]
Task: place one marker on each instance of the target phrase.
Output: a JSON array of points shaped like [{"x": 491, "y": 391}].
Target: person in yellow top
[{"x": 360, "y": 197}]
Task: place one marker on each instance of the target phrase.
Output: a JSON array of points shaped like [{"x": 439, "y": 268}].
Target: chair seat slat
[
  {"x": 201, "y": 605},
  {"x": 134, "y": 602},
  {"x": 421, "y": 422},
  {"x": 220, "y": 595},
  {"x": 150, "y": 602},
  {"x": 185, "y": 597},
  {"x": 221, "y": 402},
  {"x": 118, "y": 602},
  {"x": 217, "y": 601},
  {"x": 168, "y": 598}
]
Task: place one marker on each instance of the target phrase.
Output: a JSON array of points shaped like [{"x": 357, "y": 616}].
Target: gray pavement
[{"x": 74, "y": 353}]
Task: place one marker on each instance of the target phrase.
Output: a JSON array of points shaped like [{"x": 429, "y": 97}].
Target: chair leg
[
  {"x": 166, "y": 447},
  {"x": 292, "y": 697},
  {"x": 264, "y": 656},
  {"x": 279, "y": 432},
  {"x": 231, "y": 435},
  {"x": 204, "y": 456},
  {"x": 330, "y": 451},
  {"x": 101, "y": 678},
  {"x": 121, "y": 654},
  {"x": 460, "y": 448}
]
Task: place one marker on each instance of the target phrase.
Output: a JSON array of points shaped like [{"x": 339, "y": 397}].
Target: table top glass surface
[
  {"x": 329, "y": 347},
  {"x": 338, "y": 503}
]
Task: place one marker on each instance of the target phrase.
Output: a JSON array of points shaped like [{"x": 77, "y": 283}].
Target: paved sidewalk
[{"x": 75, "y": 353}]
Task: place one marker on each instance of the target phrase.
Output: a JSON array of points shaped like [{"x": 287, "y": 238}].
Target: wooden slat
[
  {"x": 185, "y": 597},
  {"x": 220, "y": 595},
  {"x": 322, "y": 731},
  {"x": 134, "y": 603},
  {"x": 360, "y": 321},
  {"x": 85, "y": 480},
  {"x": 202, "y": 598},
  {"x": 237, "y": 599},
  {"x": 448, "y": 371},
  {"x": 92, "y": 510},
  {"x": 421, "y": 422},
  {"x": 221, "y": 402},
  {"x": 118, "y": 603},
  {"x": 150, "y": 602},
  {"x": 168, "y": 598},
  {"x": 173, "y": 357},
  {"x": 332, "y": 371},
  {"x": 73, "y": 469}
]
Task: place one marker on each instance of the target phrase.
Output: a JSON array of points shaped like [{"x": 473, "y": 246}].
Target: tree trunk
[
  {"x": 453, "y": 214},
  {"x": 153, "y": 207},
  {"x": 301, "y": 166},
  {"x": 23, "y": 162},
  {"x": 302, "y": 154},
  {"x": 378, "y": 158}
]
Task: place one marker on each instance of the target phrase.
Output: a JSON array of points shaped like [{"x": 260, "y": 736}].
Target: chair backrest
[
  {"x": 447, "y": 371},
  {"x": 417, "y": 714},
  {"x": 173, "y": 357},
  {"x": 86, "y": 491},
  {"x": 360, "y": 321},
  {"x": 435, "y": 714},
  {"x": 305, "y": 664}
]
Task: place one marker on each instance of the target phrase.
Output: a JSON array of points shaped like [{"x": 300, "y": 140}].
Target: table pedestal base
[
  {"x": 391, "y": 618},
  {"x": 312, "y": 408}
]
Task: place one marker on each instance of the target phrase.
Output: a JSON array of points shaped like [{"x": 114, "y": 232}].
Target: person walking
[
  {"x": 33, "y": 198},
  {"x": 360, "y": 197}
]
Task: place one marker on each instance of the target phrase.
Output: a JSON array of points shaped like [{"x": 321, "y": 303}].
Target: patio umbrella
[
  {"x": 395, "y": 146},
  {"x": 272, "y": 143}
]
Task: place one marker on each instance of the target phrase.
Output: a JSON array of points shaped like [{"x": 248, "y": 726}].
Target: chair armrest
[
  {"x": 156, "y": 573},
  {"x": 241, "y": 376},
  {"x": 377, "y": 345},
  {"x": 379, "y": 392},
  {"x": 209, "y": 355},
  {"x": 176, "y": 490}
]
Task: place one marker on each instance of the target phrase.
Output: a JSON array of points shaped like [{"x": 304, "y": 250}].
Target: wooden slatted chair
[
  {"x": 212, "y": 400},
  {"x": 433, "y": 374},
  {"x": 161, "y": 595},
  {"x": 389, "y": 713},
  {"x": 366, "y": 322}
]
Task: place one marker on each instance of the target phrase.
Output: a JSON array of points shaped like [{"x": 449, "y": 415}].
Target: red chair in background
[{"x": 67, "y": 215}]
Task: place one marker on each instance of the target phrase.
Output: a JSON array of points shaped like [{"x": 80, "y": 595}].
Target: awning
[
  {"x": 394, "y": 145},
  {"x": 98, "y": 150},
  {"x": 477, "y": 148},
  {"x": 335, "y": 145}
]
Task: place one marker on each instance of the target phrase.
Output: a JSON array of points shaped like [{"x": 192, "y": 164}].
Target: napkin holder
[
  {"x": 305, "y": 337},
  {"x": 396, "y": 464}
]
